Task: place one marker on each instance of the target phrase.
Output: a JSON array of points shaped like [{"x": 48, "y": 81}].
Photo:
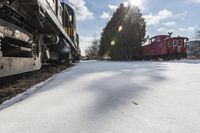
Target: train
[
  {"x": 35, "y": 32},
  {"x": 162, "y": 47}
]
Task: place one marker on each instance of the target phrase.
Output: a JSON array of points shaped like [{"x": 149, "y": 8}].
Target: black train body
[{"x": 33, "y": 32}]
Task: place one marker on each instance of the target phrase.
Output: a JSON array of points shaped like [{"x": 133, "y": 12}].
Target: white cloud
[
  {"x": 191, "y": 28},
  {"x": 195, "y": 1},
  {"x": 165, "y": 30},
  {"x": 181, "y": 15},
  {"x": 105, "y": 15},
  {"x": 113, "y": 7},
  {"x": 162, "y": 16},
  {"x": 157, "y": 18},
  {"x": 81, "y": 10},
  {"x": 172, "y": 23},
  {"x": 184, "y": 31}
]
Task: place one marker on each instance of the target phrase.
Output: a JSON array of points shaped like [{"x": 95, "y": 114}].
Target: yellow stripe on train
[{"x": 70, "y": 31}]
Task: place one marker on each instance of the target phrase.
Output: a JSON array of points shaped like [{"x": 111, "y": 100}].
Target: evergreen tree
[{"x": 123, "y": 33}]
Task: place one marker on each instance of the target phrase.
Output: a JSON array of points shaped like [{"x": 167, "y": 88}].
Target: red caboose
[{"x": 165, "y": 47}]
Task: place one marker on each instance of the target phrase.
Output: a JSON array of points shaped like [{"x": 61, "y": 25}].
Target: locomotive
[
  {"x": 163, "y": 46},
  {"x": 34, "y": 32}
]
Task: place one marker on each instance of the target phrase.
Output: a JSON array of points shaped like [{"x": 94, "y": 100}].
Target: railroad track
[{"x": 13, "y": 85}]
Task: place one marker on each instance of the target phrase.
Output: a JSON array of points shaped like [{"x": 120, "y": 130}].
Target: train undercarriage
[{"x": 30, "y": 35}]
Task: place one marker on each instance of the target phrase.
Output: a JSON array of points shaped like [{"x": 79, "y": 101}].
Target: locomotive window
[
  {"x": 153, "y": 40},
  {"x": 175, "y": 42},
  {"x": 157, "y": 39},
  {"x": 170, "y": 44}
]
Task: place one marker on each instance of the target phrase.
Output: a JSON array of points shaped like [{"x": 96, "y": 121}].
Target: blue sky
[{"x": 162, "y": 16}]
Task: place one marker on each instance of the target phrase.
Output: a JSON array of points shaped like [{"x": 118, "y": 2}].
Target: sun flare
[{"x": 136, "y": 2}]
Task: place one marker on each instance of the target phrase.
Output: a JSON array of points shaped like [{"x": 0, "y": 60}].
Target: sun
[{"x": 136, "y": 2}]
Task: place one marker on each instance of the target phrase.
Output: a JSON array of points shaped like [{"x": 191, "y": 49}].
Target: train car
[
  {"x": 157, "y": 47},
  {"x": 193, "y": 49},
  {"x": 33, "y": 32},
  {"x": 177, "y": 47},
  {"x": 165, "y": 47}
]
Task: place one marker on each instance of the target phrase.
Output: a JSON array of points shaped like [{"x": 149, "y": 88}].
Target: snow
[{"x": 112, "y": 97}]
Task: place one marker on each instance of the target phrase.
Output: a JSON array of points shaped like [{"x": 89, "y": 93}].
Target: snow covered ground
[{"x": 112, "y": 97}]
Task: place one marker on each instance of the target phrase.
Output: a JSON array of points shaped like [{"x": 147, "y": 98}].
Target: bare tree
[
  {"x": 197, "y": 34},
  {"x": 92, "y": 52}
]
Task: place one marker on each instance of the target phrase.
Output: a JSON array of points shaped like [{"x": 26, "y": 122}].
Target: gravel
[{"x": 14, "y": 85}]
